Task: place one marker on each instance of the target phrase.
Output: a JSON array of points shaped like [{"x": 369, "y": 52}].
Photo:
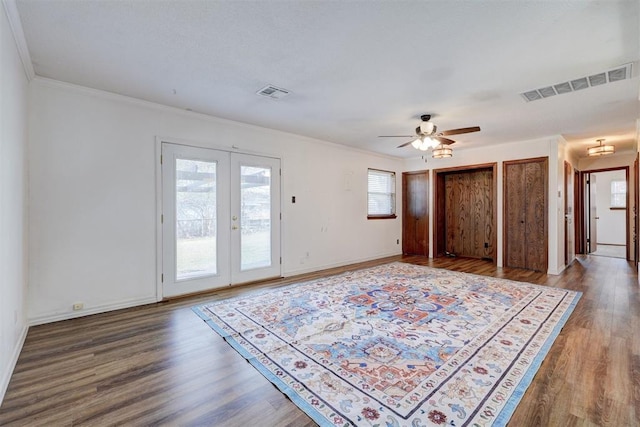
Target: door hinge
[
  {"x": 162, "y": 278},
  {"x": 161, "y": 219},
  {"x": 160, "y": 158},
  {"x": 280, "y": 216},
  {"x": 280, "y": 172},
  {"x": 281, "y": 260}
]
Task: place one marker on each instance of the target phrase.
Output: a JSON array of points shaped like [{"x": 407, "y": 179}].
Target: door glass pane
[
  {"x": 255, "y": 217},
  {"x": 195, "y": 219}
]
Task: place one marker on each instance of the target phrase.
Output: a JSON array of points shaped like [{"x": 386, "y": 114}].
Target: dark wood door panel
[
  {"x": 525, "y": 214},
  {"x": 415, "y": 213},
  {"x": 535, "y": 216},
  {"x": 514, "y": 198},
  {"x": 469, "y": 215}
]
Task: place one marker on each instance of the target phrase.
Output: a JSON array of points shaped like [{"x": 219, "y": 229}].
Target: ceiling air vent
[
  {"x": 563, "y": 88},
  {"x": 598, "y": 79},
  {"x": 580, "y": 84},
  {"x": 273, "y": 92},
  {"x": 620, "y": 73},
  {"x": 532, "y": 95},
  {"x": 547, "y": 91}
]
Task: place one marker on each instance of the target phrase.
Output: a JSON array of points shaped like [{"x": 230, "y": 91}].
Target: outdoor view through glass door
[
  {"x": 255, "y": 217},
  {"x": 221, "y": 218}
]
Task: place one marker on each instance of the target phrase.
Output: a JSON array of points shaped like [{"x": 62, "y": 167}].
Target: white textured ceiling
[{"x": 356, "y": 69}]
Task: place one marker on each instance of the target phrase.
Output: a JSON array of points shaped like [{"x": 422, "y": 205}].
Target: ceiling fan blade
[
  {"x": 459, "y": 131},
  {"x": 443, "y": 141},
  {"x": 395, "y": 136},
  {"x": 405, "y": 144}
]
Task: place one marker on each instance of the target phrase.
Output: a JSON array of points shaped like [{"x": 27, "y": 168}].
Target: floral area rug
[{"x": 397, "y": 344}]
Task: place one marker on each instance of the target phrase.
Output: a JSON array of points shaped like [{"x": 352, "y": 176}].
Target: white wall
[
  {"x": 13, "y": 203},
  {"x": 610, "y": 225},
  {"x": 92, "y": 198},
  {"x": 546, "y": 147}
]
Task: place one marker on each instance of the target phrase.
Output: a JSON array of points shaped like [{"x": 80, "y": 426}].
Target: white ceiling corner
[{"x": 15, "y": 24}]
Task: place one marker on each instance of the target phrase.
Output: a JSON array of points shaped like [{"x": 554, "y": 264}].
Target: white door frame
[{"x": 158, "y": 178}]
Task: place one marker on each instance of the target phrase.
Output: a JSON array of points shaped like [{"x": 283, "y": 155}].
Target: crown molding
[
  {"x": 102, "y": 94},
  {"x": 11, "y": 10}
]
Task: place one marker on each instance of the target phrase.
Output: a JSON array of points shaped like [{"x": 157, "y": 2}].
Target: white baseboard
[
  {"x": 55, "y": 317},
  {"x": 338, "y": 264},
  {"x": 558, "y": 271},
  {"x": 6, "y": 376}
]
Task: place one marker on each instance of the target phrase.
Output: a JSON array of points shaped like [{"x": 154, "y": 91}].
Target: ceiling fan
[{"x": 427, "y": 136}]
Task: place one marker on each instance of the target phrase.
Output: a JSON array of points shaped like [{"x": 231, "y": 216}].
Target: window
[
  {"x": 381, "y": 196},
  {"x": 618, "y": 194}
]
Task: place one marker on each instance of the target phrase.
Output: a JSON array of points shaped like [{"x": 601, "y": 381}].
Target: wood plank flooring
[{"x": 160, "y": 364}]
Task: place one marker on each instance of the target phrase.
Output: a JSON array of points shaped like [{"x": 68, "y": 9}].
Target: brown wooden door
[
  {"x": 526, "y": 211},
  {"x": 536, "y": 216},
  {"x": 636, "y": 182},
  {"x": 514, "y": 208},
  {"x": 415, "y": 213},
  {"x": 592, "y": 239},
  {"x": 578, "y": 201},
  {"x": 469, "y": 213}
]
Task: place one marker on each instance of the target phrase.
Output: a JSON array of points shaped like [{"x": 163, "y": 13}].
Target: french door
[{"x": 220, "y": 218}]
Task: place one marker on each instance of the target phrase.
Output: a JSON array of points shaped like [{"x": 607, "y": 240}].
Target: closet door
[
  {"x": 536, "y": 216},
  {"x": 514, "y": 218},
  {"x": 415, "y": 213},
  {"x": 469, "y": 213},
  {"x": 525, "y": 214}
]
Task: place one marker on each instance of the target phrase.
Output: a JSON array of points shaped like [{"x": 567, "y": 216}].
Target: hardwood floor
[{"x": 160, "y": 364}]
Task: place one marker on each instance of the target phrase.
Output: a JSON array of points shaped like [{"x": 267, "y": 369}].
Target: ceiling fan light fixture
[
  {"x": 427, "y": 137},
  {"x": 601, "y": 150},
  {"x": 441, "y": 152},
  {"x": 427, "y": 128}
]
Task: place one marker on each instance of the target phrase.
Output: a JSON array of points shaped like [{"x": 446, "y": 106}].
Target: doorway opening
[
  {"x": 605, "y": 213},
  {"x": 466, "y": 212}
]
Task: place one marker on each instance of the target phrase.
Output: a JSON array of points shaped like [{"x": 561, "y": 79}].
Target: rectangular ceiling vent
[
  {"x": 273, "y": 92},
  {"x": 619, "y": 73}
]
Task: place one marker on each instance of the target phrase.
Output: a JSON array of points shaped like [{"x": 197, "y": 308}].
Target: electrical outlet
[
  {"x": 397, "y": 241},
  {"x": 78, "y": 306}
]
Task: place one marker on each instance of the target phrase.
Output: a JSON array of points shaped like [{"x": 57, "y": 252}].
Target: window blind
[
  {"x": 618, "y": 194},
  {"x": 381, "y": 199}
]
